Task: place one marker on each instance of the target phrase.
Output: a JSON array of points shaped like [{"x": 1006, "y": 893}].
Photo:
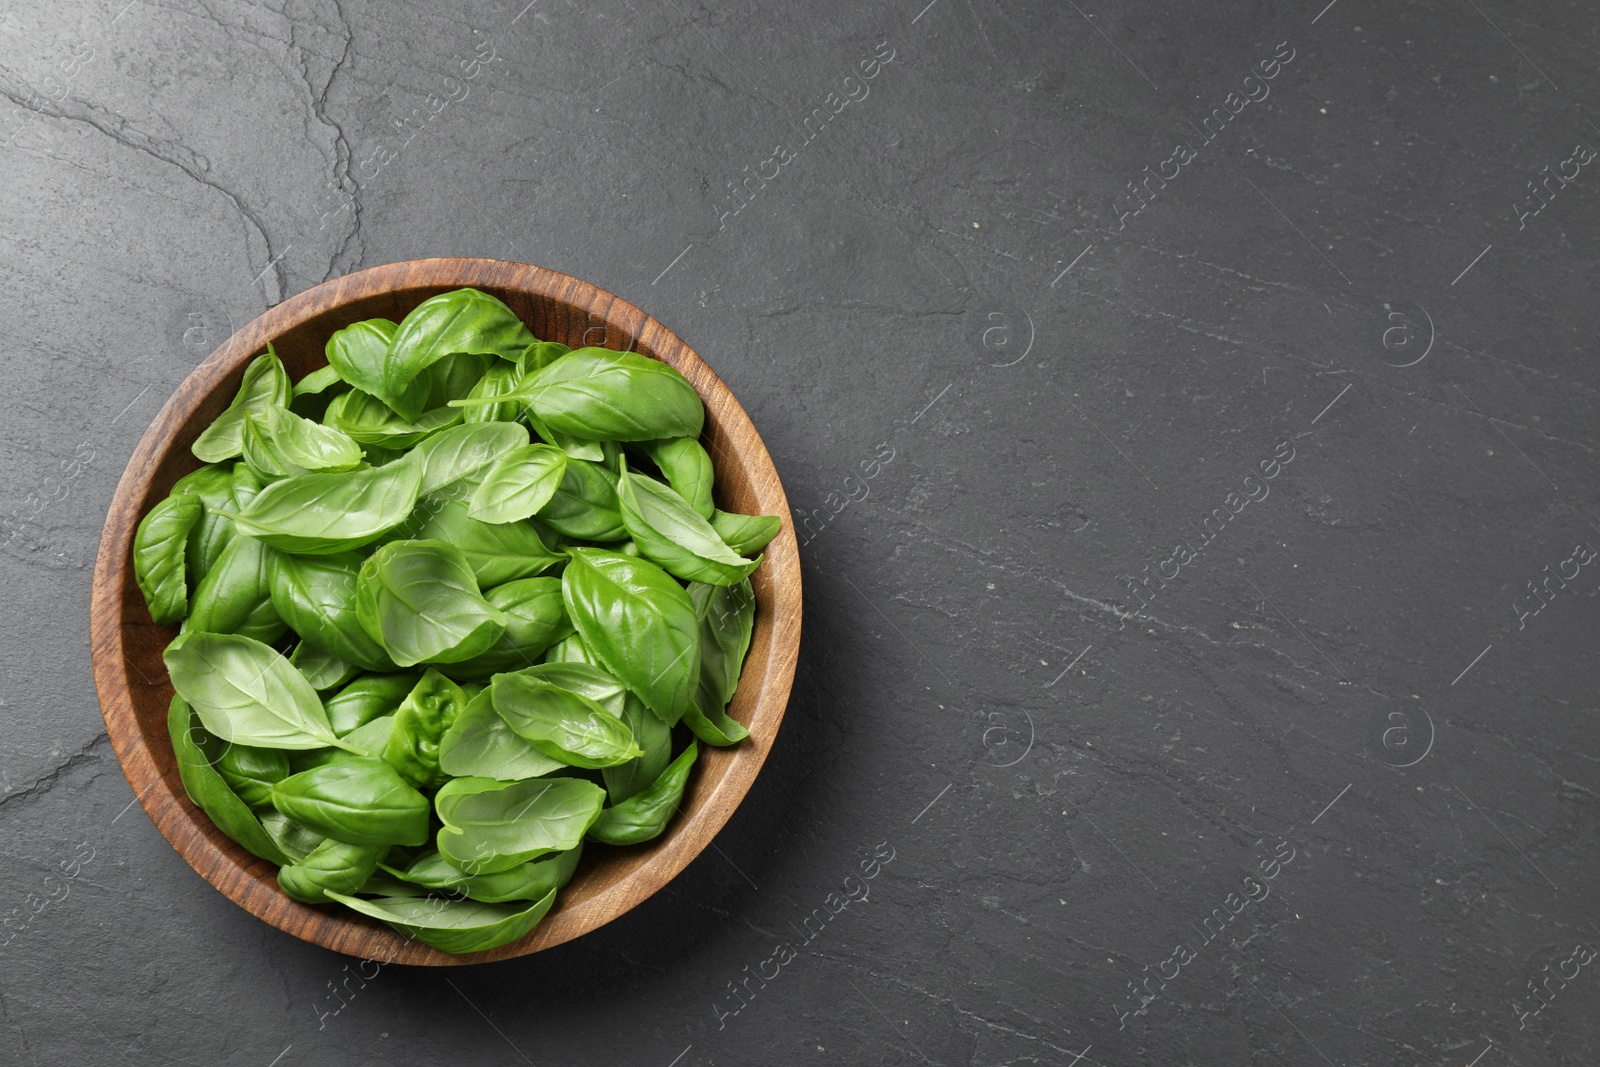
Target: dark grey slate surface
[{"x": 1341, "y": 683}]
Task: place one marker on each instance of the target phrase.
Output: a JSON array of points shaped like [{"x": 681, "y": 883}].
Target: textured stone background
[{"x": 1070, "y": 775}]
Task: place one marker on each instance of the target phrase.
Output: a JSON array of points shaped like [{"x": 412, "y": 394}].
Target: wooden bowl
[{"x": 127, "y": 645}]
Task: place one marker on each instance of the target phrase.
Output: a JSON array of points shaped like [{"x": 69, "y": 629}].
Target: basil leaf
[
  {"x": 370, "y": 421},
  {"x": 597, "y": 394},
  {"x": 535, "y": 620},
  {"x": 584, "y": 505},
  {"x": 529, "y": 881},
  {"x": 321, "y": 514},
  {"x": 235, "y": 596},
  {"x": 586, "y": 680},
  {"x": 420, "y": 600},
  {"x": 492, "y": 826},
  {"x": 458, "y": 927},
  {"x": 687, "y": 468},
  {"x": 715, "y": 727},
  {"x": 424, "y": 716},
  {"x": 159, "y": 545},
  {"x": 265, "y": 385},
  {"x": 572, "y": 446},
  {"x": 463, "y": 320},
  {"x": 572, "y": 650},
  {"x": 668, "y": 532},
  {"x": 210, "y": 791},
  {"x": 360, "y": 801},
  {"x": 518, "y": 484},
  {"x": 479, "y": 744},
  {"x": 318, "y": 381},
  {"x": 359, "y": 351},
  {"x": 464, "y": 453},
  {"x": 246, "y": 692},
  {"x": 332, "y": 865},
  {"x": 655, "y": 737},
  {"x": 213, "y": 487},
  {"x": 726, "y": 618},
  {"x": 644, "y": 815},
  {"x": 322, "y": 669},
  {"x": 745, "y": 533},
  {"x": 639, "y": 622},
  {"x": 496, "y": 552},
  {"x": 316, "y": 596},
  {"x": 294, "y": 840},
  {"x": 562, "y": 724},
  {"x": 453, "y": 377},
  {"x": 499, "y": 380},
  {"x": 279, "y": 443},
  {"x": 367, "y": 698},
  {"x": 244, "y": 483},
  {"x": 250, "y": 772},
  {"x": 539, "y": 355}
]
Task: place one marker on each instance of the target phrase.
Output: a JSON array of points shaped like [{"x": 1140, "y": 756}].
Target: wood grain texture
[{"x": 127, "y": 645}]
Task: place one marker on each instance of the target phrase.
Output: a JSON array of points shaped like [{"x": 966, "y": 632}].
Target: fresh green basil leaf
[
  {"x": 332, "y": 865},
  {"x": 212, "y": 485},
  {"x": 725, "y": 616},
  {"x": 518, "y": 484},
  {"x": 279, "y": 443},
  {"x": 464, "y": 320},
  {"x": 644, "y": 815},
  {"x": 246, "y": 692},
  {"x": 210, "y": 791},
  {"x": 585, "y": 505},
  {"x": 572, "y": 446},
  {"x": 316, "y": 596},
  {"x": 368, "y": 739},
  {"x": 420, "y": 600},
  {"x": 360, "y": 801},
  {"x": 250, "y": 772},
  {"x": 539, "y": 355},
  {"x": 359, "y": 351},
  {"x": 454, "y": 376},
  {"x": 292, "y": 839},
  {"x": 323, "y": 670},
  {"x": 159, "y": 545},
  {"x": 745, "y": 534},
  {"x": 492, "y": 826},
  {"x": 426, "y": 713},
  {"x": 456, "y": 927},
  {"x": 655, "y": 737},
  {"x": 479, "y": 744},
  {"x": 321, "y": 514},
  {"x": 318, "y": 381},
  {"x": 536, "y": 618},
  {"x": 265, "y": 385},
  {"x": 668, "y": 532},
  {"x": 465, "y": 453},
  {"x": 597, "y": 394},
  {"x": 245, "y": 484},
  {"x": 587, "y": 680},
  {"x": 497, "y": 552},
  {"x": 715, "y": 727},
  {"x": 639, "y": 622},
  {"x": 367, "y": 698},
  {"x": 235, "y": 596},
  {"x": 687, "y": 467},
  {"x": 562, "y": 724},
  {"x": 572, "y": 650},
  {"x": 371, "y": 422},
  {"x": 499, "y": 380},
  {"x": 528, "y": 881}
]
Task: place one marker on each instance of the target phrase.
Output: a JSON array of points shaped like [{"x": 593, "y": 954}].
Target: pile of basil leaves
[{"x": 446, "y": 605}]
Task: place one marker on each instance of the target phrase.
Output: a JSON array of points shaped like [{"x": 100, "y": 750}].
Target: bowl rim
[{"x": 247, "y": 880}]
